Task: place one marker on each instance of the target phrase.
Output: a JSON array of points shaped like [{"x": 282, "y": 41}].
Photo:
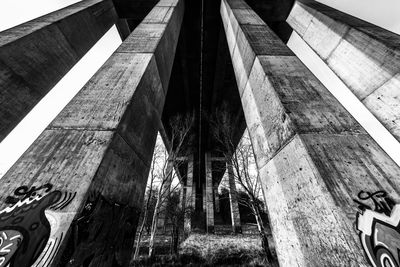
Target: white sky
[
  {"x": 384, "y": 13},
  {"x": 15, "y": 12}
]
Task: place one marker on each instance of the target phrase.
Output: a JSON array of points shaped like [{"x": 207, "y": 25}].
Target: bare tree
[
  {"x": 153, "y": 175},
  {"x": 177, "y": 210},
  {"x": 240, "y": 158},
  {"x": 180, "y": 138}
]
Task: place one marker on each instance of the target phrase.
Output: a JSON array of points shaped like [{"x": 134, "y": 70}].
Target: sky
[
  {"x": 15, "y": 12},
  {"x": 384, "y": 13}
]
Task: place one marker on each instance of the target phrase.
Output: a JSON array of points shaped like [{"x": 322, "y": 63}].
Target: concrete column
[
  {"x": 364, "y": 56},
  {"x": 209, "y": 195},
  {"x": 35, "y": 55},
  {"x": 313, "y": 158},
  {"x": 190, "y": 196},
  {"x": 204, "y": 199},
  {"x": 91, "y": 164},
  {"x": 165, "y": 191},
  {"x": 216, "y": 198},
  {"x": 123, "y": 28},
  {"x": 233, "y": 200}
]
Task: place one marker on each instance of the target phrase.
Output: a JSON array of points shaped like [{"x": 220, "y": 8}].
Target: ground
[{"x": 200, "y": 249}]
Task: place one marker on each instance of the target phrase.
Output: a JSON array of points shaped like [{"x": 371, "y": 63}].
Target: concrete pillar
[
  {"x": 313, "y": 158},
  {"x": 123, "y": 28},
  {"x": 364, "y": 56},
  {"x": 190, "y": 196},
  {"x": 165, "y": 192},
  {"x": 233, "y": 200},
  {"x": 91, "y": 164},
  {"x": 209, "y": 195},
  {"x": 204, "y": 199},
  {"x": 216, "y": 198},
  {"x": 35, "y": 55}
]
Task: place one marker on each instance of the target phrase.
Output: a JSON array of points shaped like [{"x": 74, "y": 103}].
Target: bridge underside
[
  {"x": 203, "y": 80},
  {"x": 88, "y": 168}
]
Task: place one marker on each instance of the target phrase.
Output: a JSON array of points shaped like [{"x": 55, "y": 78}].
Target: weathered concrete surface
[
  {"x": 233, "y": 201},
  {"x": 313, "y": 157},
  {"x": 364, "y": 56},
  {"x": 35, "y": 55},
  {"x": 209, "y": 195},
  {"x": 99, "y": 149}
]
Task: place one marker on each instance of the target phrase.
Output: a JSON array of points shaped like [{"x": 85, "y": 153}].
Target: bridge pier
[
  {"x": 313, "y": 158},
  {"x": 35, "y": 55},
  {"x": 190, "y": 196},
  {"x": 364, "y": 56},
  {"x": 85, "y": 176},
  {"x": 209, "y": 203}
]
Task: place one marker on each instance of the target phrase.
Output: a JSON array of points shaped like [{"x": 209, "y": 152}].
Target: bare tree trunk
[
  {"x": 261, "y": 230},
  {"x": 174, "y": 239},
  {"x": 136, "y": 255},
  {"x": 154, "y": 226}
]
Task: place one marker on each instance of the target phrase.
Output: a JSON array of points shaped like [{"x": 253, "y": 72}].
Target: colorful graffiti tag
[
  {"x": 28, "y": 227},
  {"x": 379, "y": 228}
]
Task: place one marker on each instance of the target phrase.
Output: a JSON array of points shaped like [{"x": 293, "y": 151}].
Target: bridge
[{"x": 197, "y": 57}]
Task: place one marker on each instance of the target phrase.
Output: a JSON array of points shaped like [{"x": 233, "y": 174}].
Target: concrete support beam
[
  {"x": 204, "y": 199},
  {"x": 190, "y": 196},
  {"x": 364, "y": 56},
  {"x": 233, "y": 200},
  {"x": 216, "y": 198},
  {"x": 123, "y": 28},
  {"x": 218, "y": 159},
  {"x": 313, "y": 158},
  {"x": 209, "y": 195},
  {"x": 35, "y": 55},
  {"x": 165, "y": 192},
  {"x": 81, "y": 183}
]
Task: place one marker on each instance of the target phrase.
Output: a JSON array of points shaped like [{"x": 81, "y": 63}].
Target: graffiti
[
  {"x": 10, "y": 240},
  {"x": 381, "y": 201},
  {"x": 378, "y": 227},
  {"x": 24, "y": 192},
  {"x": 28, "y": 226}
]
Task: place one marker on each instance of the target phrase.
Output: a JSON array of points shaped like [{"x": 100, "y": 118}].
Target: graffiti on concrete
[
  {"x": 378, "y": 225},
  {"x": 29, "y": 234},
  {"x": 9, "y": 243}
]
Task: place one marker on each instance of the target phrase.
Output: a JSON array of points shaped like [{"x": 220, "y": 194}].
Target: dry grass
[
  {"x": 223, "y": 250},
  {"x": 213, "y": 250}
]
